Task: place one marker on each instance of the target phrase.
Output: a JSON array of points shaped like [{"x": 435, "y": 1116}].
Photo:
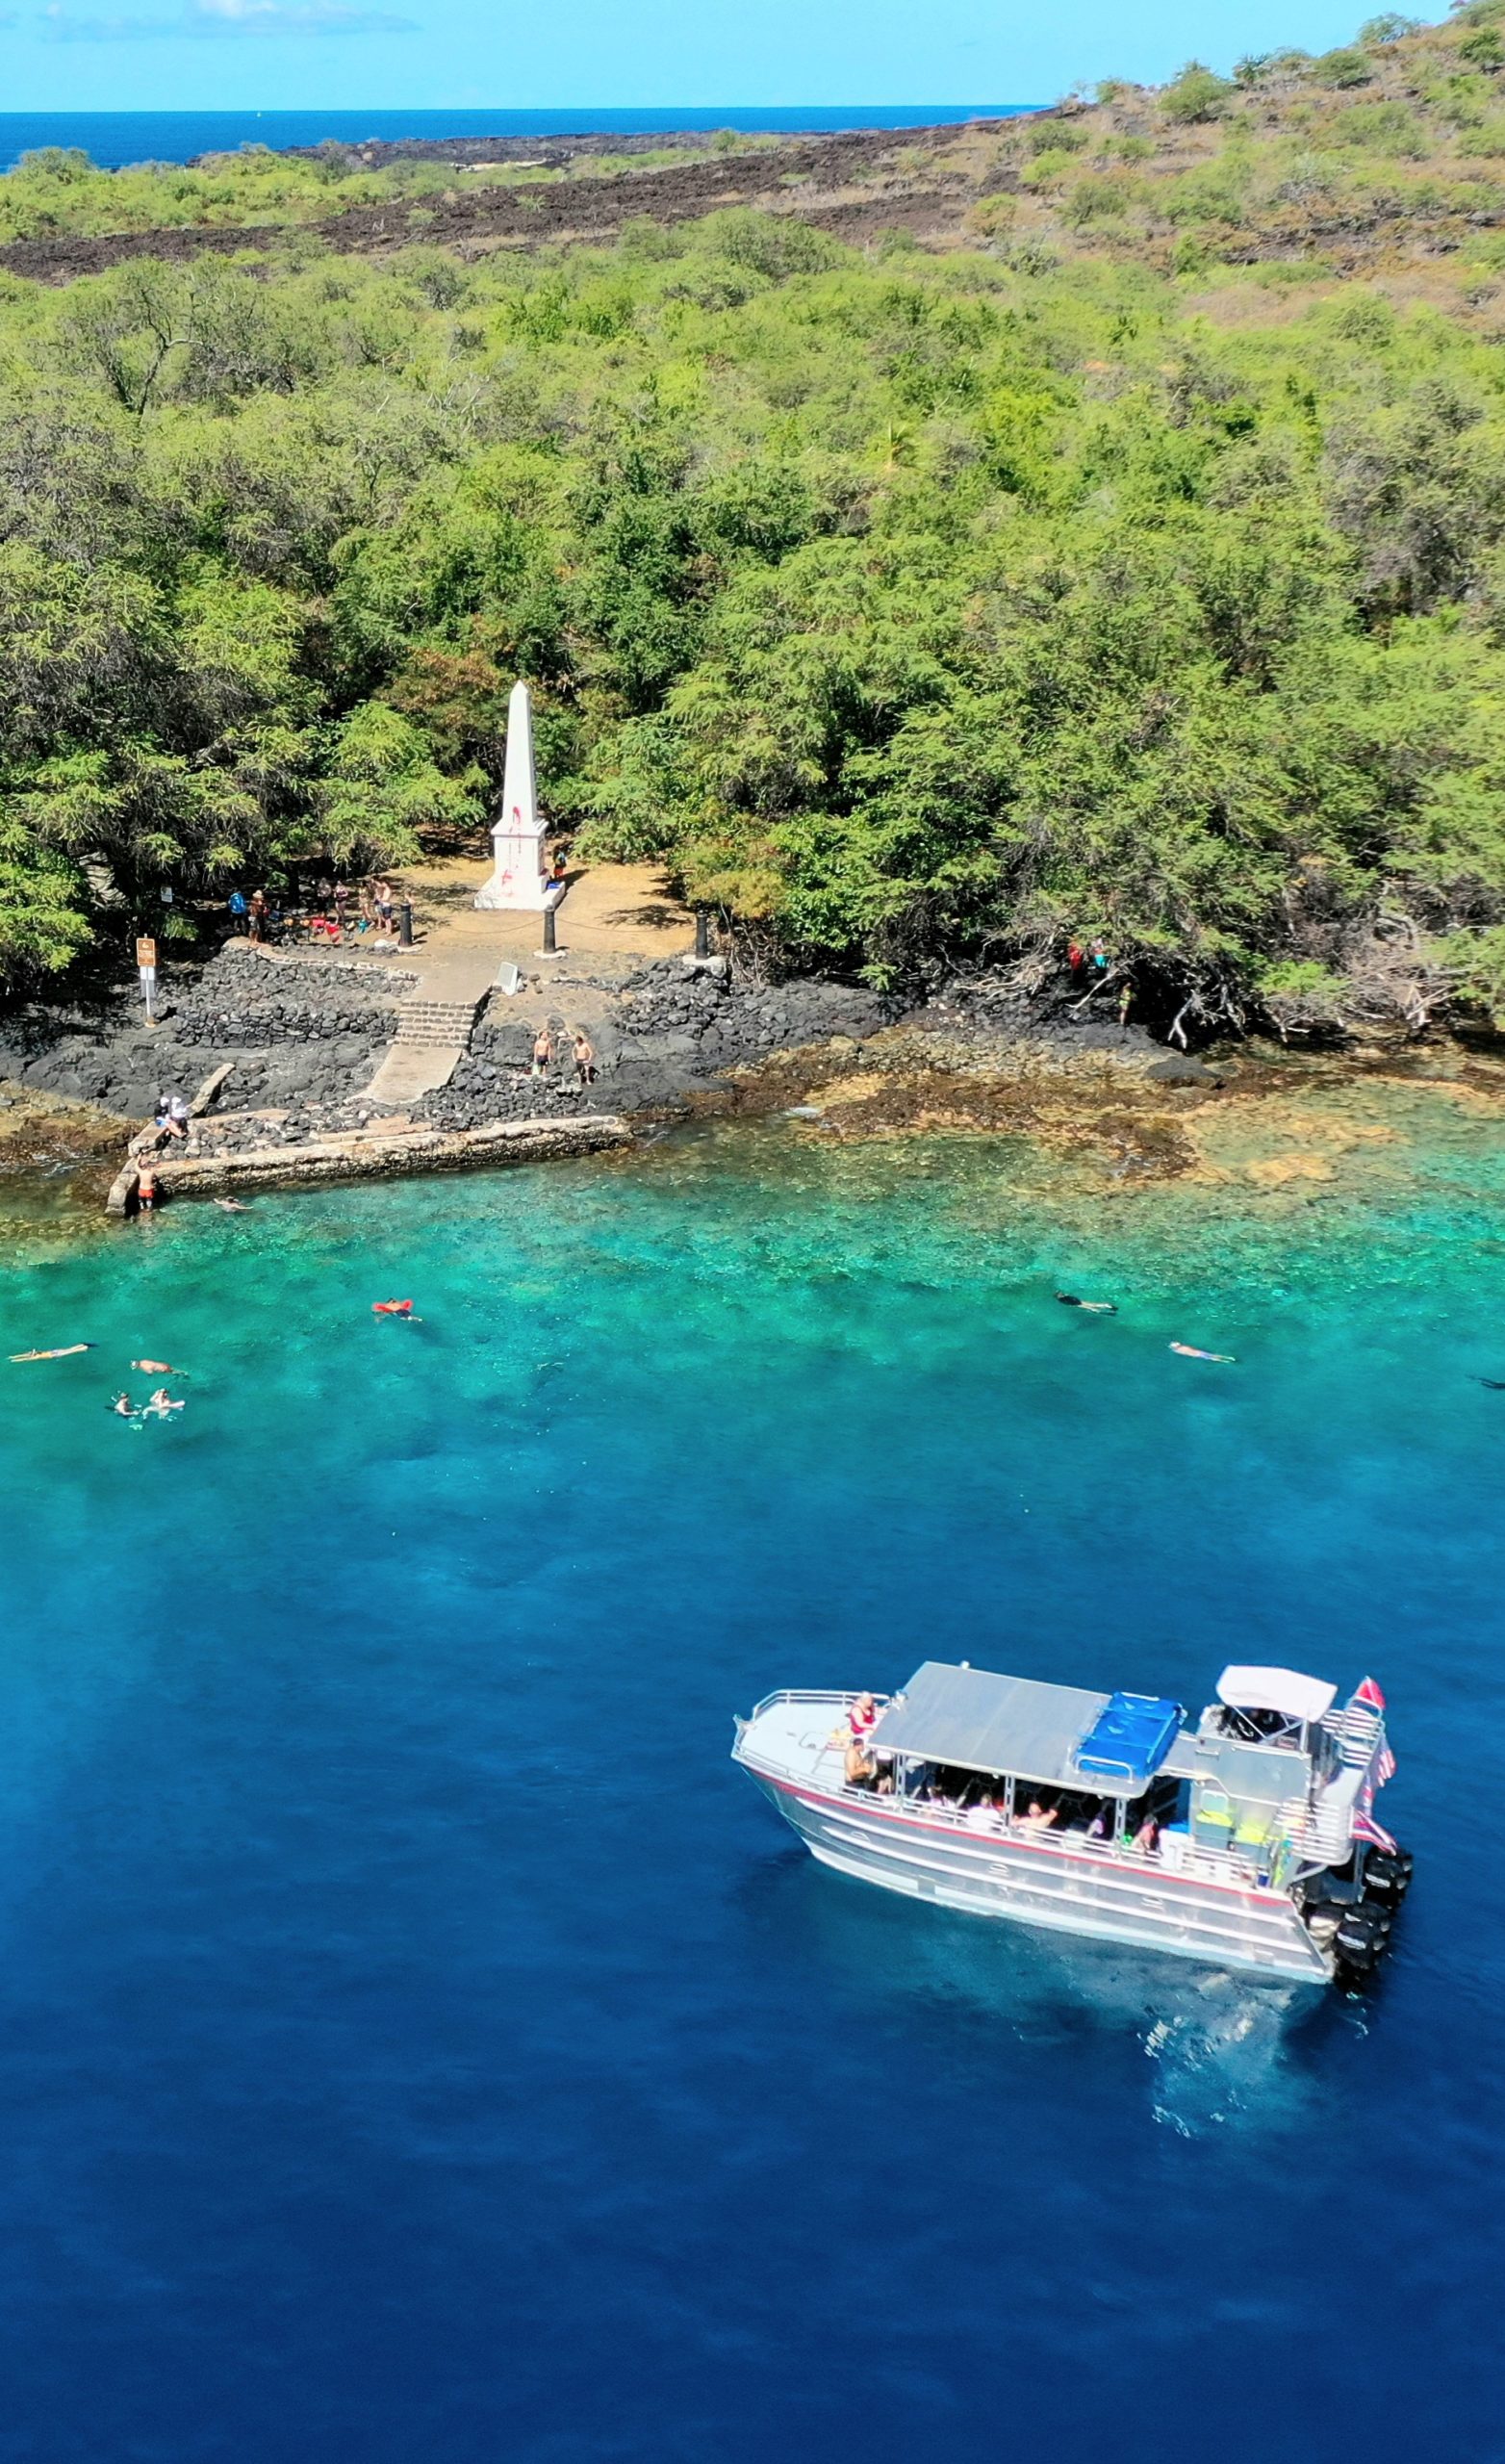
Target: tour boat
[{"x": 1245, "y": 1839}]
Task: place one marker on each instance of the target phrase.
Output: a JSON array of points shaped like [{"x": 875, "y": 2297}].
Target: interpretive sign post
[{"x": 146, "y": 962}]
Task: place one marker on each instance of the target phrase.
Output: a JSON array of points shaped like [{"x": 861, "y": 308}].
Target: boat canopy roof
[
  {"x": 1275, "y": 1690},
  {"x": 1060, "y": 1736}
]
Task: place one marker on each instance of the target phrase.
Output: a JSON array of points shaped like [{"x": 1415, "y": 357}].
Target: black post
[
  {"x": 405, "y": 926},
  {"x": 550, "y": 943},
  {"x": 702, "y": 933}
]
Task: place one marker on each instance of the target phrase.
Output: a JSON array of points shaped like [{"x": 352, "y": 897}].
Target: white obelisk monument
[{"x": 518, "y": 838}]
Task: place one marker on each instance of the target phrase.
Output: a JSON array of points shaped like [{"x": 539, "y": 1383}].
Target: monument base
[{"x": 524, "y": 898}]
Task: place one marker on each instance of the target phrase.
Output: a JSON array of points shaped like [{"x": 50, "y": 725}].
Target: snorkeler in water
[
  {"x": 1099, "y": 1308},
  {"x": 1191, "y": 1351}
]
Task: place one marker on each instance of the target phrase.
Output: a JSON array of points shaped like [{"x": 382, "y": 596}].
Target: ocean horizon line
[{"x": 117, "y": 139}]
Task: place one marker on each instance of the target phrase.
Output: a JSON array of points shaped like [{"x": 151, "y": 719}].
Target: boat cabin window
[{"x": 1259, "y": 1727}]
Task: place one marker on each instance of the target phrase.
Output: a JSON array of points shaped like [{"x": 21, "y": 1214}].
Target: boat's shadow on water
[{"x": 1208, "y": 2046}]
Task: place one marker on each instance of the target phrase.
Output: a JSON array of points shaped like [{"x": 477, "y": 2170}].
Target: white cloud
[{"x": 222, "y": 20}]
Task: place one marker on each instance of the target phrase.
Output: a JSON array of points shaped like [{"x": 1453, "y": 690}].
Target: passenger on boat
[
  {"x": 860, "y": 1770},
  {"x": 1147, "y": 1836},
  {"x": 1038, "y": 1818},
  {"x": 862, "y": 1716}
]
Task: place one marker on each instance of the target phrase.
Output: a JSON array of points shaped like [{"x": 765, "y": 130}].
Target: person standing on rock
[
  {"x": 585, "y": 1057},
  {"x": 542, "y": 1053},
  {"x": 260, "y": 913}
]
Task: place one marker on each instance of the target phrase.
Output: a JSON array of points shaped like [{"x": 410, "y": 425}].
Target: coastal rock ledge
[{"x": 373, "y": 1155}]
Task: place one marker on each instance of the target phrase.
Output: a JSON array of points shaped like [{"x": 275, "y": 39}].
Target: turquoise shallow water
[{"x": 416, "y": 2039}]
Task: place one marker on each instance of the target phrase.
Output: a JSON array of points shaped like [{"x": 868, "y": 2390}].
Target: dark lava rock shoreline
[{"x": 304, "y": 1038}]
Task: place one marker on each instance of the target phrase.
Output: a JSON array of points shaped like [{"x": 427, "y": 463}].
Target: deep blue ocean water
[
  {"x": 112, "y": 139},
  {"x": 418, "y": 2040}
]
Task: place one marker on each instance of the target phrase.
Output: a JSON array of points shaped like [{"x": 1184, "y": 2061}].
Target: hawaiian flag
[
  {"x": 1364, "y": 1827},
  {"x": 1369, "y": 1695}
]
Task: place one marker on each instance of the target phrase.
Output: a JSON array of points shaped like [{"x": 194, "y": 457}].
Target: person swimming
[
  {"x": 122, "y": 1407},
  {"x": 392, "y": 1308},
  {"x": 161, "y": 1402},
  {"x": 63, "y": 1351},
  {"x": 232, "y": 1206},
  {"x": 1099, "y": 1308},
  {"x": 1191, "y": 1351}
]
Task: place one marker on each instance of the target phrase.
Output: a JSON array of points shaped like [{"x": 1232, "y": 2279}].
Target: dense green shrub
[{"x": 905, "y": 603}]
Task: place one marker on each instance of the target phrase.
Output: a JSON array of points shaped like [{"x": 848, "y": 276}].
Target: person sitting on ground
[{"x": 178, "y": 1116}]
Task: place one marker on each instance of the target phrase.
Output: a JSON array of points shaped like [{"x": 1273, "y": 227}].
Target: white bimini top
[{"x": 1276, "y": 1689}]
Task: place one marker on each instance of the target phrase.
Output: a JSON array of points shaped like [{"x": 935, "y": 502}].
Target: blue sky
[{"x": 163, "y": 55}]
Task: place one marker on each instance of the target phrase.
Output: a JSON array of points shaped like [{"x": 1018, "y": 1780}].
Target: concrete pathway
[{"x": 613, "y": 916}]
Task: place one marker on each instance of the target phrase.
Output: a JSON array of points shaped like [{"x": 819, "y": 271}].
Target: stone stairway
[
  {"x": 431, "y": 1036},
  {"x": 436, "y": 1023}
]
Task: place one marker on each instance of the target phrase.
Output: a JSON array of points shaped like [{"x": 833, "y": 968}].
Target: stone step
[{"x": 421, "y": 1022}]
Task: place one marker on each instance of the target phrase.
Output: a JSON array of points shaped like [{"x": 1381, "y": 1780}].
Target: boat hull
[{"x": 1046, "y": 1882}]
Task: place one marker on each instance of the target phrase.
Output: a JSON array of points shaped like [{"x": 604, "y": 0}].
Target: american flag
[
  {"x": 1368, "y": 1693},
  {"x": 1364, "y": 1827},
  {"x": 1385, "y": 1767}
]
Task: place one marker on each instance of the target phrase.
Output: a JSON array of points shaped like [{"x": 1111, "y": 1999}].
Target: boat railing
[
  {"x": 1231, "y": 1865},
  {"x": 813, "y": 1694}
]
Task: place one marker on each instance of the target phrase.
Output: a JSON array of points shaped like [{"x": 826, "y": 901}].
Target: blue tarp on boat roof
[{"x": 1129, "y": 1741}]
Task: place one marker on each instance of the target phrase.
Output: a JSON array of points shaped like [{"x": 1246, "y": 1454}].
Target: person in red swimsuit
[{"x": 862, "y": 1716}]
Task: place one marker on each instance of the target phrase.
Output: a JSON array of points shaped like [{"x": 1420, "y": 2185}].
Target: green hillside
[{"x": 1118, "y": 549}]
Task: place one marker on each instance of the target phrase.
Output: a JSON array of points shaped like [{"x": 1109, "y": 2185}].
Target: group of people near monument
[
  {"x": 337, "y": 910},
  {"x": 582, "y": 1054}
]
